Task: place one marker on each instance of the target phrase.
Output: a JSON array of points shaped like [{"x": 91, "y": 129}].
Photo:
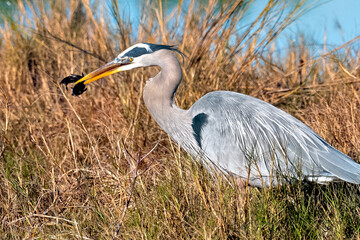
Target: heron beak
[
  {"x": 101, "y": 72},
  {"x": 81, "y": 81}
]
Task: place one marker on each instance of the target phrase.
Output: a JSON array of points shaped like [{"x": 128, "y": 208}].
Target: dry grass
[{"x": 64, "y": 160}]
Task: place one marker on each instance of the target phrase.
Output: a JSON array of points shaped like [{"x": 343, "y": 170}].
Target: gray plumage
[{"x": 239, "y": 134}]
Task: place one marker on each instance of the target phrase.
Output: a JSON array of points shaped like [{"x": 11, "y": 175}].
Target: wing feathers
[{"x": 240, "y": 126}]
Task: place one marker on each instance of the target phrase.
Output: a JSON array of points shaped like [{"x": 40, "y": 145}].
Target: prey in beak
[{"x": 106, "y": 70}]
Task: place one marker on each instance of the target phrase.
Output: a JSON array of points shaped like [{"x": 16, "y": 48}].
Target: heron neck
[{"x": 159, "y": 93}]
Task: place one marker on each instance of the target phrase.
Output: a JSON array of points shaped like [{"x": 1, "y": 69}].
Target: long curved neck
[{"x": 159, "y": 92}]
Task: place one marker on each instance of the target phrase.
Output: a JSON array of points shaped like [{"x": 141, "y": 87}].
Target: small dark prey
[
  {"x": 78, "y": 88},
  {"x": 71, "y": 79}
]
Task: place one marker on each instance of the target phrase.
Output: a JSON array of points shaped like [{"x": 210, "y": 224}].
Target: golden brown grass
[{"x": 65, "y": 162}]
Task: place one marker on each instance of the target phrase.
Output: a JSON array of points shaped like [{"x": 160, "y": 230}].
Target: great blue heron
[{"x": 238, "y": 134}]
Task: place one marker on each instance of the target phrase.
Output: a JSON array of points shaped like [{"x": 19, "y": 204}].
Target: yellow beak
[
  {"x": 81, "y": 81},
  {"x": 104, "y": 71}
]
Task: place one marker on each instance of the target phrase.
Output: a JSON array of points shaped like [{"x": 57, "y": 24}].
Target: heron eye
[{"x": 131, "y": 59}]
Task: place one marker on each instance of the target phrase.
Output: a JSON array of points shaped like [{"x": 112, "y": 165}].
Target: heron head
[{"x": 133, "y": 57}]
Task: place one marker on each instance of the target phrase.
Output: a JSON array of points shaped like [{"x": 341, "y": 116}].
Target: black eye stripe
[
  {"x": 136, "y": 52},
  {"x": 145, "y": 48}
]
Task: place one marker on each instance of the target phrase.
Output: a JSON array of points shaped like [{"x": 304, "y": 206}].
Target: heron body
[{"x": 235, "y": 133}]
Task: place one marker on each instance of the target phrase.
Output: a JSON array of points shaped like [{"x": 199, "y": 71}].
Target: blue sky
[
  {"x": 325, "y": 18},
  {"x": 338, "y": 19}
]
